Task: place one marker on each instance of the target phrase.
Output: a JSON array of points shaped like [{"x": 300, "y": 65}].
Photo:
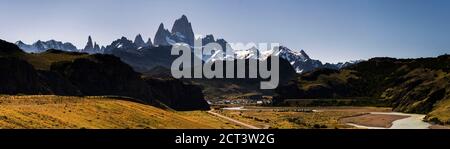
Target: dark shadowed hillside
[
  {"x": 177, "y": 94},
  {"x": 104, "y": 75},
  {"x": 20, "y": 77},
  {"x": 9, "y": 49},
  {"x": 56, "y": 72},
  {"x": 229, "y": 88},
  {"x": 408, "y": 85}
]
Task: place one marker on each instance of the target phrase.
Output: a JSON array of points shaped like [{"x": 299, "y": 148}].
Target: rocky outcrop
[
  {"x": 139, "y": 42},
  {"x": 182, "y": 30},
  {"x": 181, "y": 33},
  {"x": 122, "y": 44},
  {"x": 89, "y": 44},
  {"x": 208, "y": 39},
  {"x": 91, "y": 47},
  {"x": 161, "y": 36}
]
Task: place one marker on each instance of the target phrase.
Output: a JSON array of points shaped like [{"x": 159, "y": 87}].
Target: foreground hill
[
  {"x": 408, "y": 85},
  {"x": 48, "y": 111},
  {"x": 57, "y": 72}
]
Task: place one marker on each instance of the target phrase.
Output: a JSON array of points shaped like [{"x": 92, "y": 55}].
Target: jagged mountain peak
[
  {"x": 183, "y": 17},
  {"x": 182, "y": 30},
  {"x": 162, "y": 36},
  {"x": 182, "y": 20},
  {"x": 138, "y": 41},
  {"x": 208, "y": 39},
  {"x": 89, "y": 44},
  {"x": 92, "y": 47},
  {"x": 138, "y": 36},
  {"x": 122, "y": 43},
  {"x": 302, "y": 52},
  {"x": 181, "y": 33},
  {"x": 19, "y": 42},
  {"x": 161, "y": 26}
]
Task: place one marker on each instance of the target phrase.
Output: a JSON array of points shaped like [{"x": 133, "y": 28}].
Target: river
[{"x": 414, "y": 121}]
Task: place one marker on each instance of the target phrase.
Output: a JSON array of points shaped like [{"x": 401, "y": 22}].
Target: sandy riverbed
[
  {"x": 373, "y": 120},
  {"x": 388, "y": 120}
]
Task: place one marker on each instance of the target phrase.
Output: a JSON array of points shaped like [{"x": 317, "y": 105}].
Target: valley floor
[
  {"x": 54, "y": 112},
  {"x": 95, "y": 112},
  {"x": 326, "y": 118}
]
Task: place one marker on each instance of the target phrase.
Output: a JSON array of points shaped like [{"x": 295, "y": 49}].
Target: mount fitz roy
[{"x": 144, "y": 56}]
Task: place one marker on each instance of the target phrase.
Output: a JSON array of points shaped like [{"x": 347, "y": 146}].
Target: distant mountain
[
  {"x": 138, "y": 41},
  {"x": 149, "y": 42},
  {"x": 182, "y": 30},
  {"x": 299, "y": 60},
  {"x": 162, "y": 36},
  {"x": 139, "y": 54},
  {"x": 92, "y": 48},
  {"x": 89, "y": 44},
  {"x": 341, "y": 65},
  {"x": 181, "y": 33},
  {"x": 80, "y": 74},
  {"x": 134, "y": 52},
  {"x": 408, "y": 85},
  {"x": 123, "y": 44},
  {"x": 41, "y": 46}
]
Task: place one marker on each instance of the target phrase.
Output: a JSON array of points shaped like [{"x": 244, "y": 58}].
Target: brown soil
[{"x": 373, "y": 120}]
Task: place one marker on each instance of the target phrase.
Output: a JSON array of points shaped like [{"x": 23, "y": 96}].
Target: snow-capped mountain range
[
  {"x": 182, "y": 33},
  {"x": 41, "y": 46},
  {"x": 300, "y": 61}
]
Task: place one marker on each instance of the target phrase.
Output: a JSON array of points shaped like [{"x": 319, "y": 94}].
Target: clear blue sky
[{"x": 329, "y": 30}]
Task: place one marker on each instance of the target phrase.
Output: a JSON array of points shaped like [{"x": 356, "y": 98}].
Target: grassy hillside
[
  {"x": 96, "y": 112},
  {"x": 56, "y": 72},
  {"x": 441, "y": 113},
  {"x": 290, "y": 118},
  {"x": 43, "y": 61},
  {"x": 408, "y": 85}
]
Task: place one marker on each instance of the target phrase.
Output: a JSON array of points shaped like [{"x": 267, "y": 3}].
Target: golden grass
[
  {"x": 326, "y": 118},
  {"x": 440, "y": 113},
  {"x": 43, "y": 61},
  {"x": 96, "y": 112}
]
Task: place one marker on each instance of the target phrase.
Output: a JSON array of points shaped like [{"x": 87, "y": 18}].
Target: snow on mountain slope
[{"x": 41, "y": 46}]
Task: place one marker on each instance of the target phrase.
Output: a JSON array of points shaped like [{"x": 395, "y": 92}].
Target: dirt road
[{"x": 233, "y": 120}]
